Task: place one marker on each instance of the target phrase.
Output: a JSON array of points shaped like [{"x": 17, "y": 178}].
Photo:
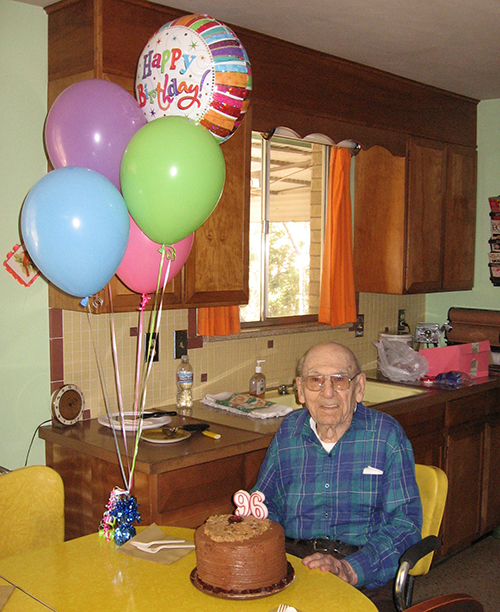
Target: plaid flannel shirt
[{"x": 363, "y": 492}]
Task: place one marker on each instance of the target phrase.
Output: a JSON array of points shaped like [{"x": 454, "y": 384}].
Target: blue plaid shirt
[{"x": 363, "y": 492}]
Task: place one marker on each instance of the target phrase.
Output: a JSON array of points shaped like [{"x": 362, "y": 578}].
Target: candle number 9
[{"x": 253, "y": 504}]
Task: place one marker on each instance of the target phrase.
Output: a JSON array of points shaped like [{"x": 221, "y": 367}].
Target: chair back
[
  {"x": 433, "y": 486},
  {"x": 32, "y": 509},
  {"x": 454, "y": 602}
]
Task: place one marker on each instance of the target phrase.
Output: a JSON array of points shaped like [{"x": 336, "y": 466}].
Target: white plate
[
  {"x": 130, "y": 425},
  {"x": 158, "y": 437}
]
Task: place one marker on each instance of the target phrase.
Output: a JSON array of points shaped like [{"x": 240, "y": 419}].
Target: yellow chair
[
  {"x": 416, "y": 561},
  {"x": 32, "y": 505}
]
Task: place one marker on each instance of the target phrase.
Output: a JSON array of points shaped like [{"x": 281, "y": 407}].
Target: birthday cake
[{"x": 241, "y": 557}]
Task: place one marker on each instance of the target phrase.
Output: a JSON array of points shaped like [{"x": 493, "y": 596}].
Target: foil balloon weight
[{"x": 197, "y": 68}]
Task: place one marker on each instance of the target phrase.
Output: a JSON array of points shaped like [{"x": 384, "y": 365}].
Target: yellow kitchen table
[{"x": 90, "y": 574}]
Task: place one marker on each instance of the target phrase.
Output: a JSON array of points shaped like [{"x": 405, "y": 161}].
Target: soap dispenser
[{"x": 258, "y": 381}]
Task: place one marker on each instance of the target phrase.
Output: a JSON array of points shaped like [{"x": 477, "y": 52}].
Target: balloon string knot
[
  {"x": 144, "y": 301},
  {"x": 170, "y": 252}
]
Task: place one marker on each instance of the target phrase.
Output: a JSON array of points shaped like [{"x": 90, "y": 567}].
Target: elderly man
[{"x": 340, "y": 477}]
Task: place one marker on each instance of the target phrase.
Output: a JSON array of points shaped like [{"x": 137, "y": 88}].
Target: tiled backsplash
[{"x": 228, "y": 364}]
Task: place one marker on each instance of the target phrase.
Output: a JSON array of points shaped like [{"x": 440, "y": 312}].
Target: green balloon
[{"x": 172, "y": 176}]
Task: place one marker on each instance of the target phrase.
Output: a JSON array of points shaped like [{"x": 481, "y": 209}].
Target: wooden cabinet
[
  {"x": 472, "y": 464},
  {"x": 459, "y": 431},
  {"x": 173, "y": 485},
  {"x": 490, "y": 507},
  {"x": 414, "y": 219},
  {"x": 104, "y": 39},
  {"x": 425, "y": 429}
]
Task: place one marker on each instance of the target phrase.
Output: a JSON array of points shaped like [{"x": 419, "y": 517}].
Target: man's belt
[{"x": 304, "y": 548}]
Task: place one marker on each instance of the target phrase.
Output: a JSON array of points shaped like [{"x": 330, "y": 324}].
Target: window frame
[{"x": 306, "y": 320}]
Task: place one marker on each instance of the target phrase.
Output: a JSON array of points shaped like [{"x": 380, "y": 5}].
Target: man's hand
[{"x": 327, "y": 563}]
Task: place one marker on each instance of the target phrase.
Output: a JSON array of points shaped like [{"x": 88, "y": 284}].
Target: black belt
[{"x": 304, "y": 548}]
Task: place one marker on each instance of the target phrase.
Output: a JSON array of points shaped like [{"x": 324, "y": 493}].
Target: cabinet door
[
  {"x": 460, "y": 220},
  {"x": 217, "y": 268},
  {"x": 491, "y": 491},
  {"x": 424, "y": 233},
  {"x": 428, "y": 449},
  {"x": 379, "y": 221},
  {"x": 463, "y": 467}
]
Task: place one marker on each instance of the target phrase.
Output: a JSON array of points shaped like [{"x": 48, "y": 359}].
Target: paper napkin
[{"x": 150, "y": 534}]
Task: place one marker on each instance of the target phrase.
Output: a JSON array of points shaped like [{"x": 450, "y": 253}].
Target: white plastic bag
[{"x": 399, "y": 362}]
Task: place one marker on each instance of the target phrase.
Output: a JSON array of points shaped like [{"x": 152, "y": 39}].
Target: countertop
[
  {"x": 91, "y": 438},
  {"x": 239, "y": 434}
]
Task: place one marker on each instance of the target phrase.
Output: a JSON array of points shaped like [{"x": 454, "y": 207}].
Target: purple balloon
[{"x": 90, "y": 124}]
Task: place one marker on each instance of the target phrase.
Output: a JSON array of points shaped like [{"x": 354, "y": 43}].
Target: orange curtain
[
  {"x": 219, "y": 321},
  {"x": 337, "y": 296}
]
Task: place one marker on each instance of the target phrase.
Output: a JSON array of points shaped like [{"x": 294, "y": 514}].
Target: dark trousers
[{"x": 382, "y": 596}]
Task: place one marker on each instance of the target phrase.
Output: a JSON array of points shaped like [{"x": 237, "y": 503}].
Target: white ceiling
[{"x": 451, "y": 44}]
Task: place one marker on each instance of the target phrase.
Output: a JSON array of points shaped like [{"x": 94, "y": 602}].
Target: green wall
[
  {"x": 24, "y": 343},
  {"x": 484, "y": 294}
]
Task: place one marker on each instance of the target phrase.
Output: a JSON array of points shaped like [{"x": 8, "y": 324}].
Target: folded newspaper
[{"x": 246, "y": 404}]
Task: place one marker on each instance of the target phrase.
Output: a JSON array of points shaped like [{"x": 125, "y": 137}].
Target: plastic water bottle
[{"x": 184, "y": 399}]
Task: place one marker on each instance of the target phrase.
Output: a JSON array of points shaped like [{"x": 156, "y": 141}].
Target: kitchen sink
[
  {"x": 375, "y": 393},
  {"x": 287, "y": 400},
  {"x": 379, "y": 392}
]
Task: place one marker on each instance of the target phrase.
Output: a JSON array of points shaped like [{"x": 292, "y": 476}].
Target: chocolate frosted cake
[{"x": 241, "y": 557}]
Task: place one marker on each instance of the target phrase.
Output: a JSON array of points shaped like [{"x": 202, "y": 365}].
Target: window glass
[{"x": 286, "y": 228}]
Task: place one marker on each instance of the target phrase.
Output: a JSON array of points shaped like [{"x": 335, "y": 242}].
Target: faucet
[{"x": 283, "y": 390}]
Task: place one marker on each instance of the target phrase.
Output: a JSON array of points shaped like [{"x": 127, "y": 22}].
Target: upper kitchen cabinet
[
  {"x": 414, "y": 220},
  {"x": 416, "y": 210},
  {"x": 104, "y": 39}
]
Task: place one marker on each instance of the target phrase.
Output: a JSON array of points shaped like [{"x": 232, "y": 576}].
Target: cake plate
[{"x": 248, "y": 593}]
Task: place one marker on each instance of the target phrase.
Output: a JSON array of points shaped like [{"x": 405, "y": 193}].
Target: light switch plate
[
  {"x": 180, "y": 343},
  {"x": 359, "y": 329}
]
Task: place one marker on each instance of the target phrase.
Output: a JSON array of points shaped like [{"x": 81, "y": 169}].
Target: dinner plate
[
  {"x": 159, "y": 437},
  {"x": 131, "y": 424}
]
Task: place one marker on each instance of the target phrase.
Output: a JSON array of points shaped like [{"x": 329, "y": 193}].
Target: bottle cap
[{"x": 258, "y": 367}]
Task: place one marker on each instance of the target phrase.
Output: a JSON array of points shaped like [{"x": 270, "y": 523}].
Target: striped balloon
[{"x": 197, "y": 68}]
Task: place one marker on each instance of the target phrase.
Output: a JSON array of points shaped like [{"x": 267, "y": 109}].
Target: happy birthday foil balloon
[{"x": 195, "y": 67}]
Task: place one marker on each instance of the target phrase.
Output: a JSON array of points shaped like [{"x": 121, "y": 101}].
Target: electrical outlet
[
  {"x": 402, "y": 325},
  {"x": 359, "y": 329},
  {"x": 180, "y": 343},
  {"x": 151, "y": 347}
]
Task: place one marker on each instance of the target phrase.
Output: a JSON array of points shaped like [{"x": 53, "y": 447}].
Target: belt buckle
[{"x": 320, "y": 542}]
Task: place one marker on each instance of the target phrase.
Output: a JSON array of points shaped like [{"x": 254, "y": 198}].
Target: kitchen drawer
[{"x": 470, "y": 408}]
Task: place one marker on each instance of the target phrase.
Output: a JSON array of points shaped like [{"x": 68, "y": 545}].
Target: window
[{"x": 288, "y": 194}]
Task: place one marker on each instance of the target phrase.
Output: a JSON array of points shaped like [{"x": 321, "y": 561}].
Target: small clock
[{"x": 67, "y": 405}]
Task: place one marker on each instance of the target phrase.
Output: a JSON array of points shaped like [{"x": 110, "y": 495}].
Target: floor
[{"x": 475, "y": 571}]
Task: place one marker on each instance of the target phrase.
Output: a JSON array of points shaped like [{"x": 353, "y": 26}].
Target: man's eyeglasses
[{"x": 339, "y": 382}]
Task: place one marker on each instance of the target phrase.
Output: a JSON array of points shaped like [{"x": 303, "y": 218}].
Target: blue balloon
[{"x": 75, "y": 226}]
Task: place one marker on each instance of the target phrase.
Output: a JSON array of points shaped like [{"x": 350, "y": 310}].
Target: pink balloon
[
  {"x": 140, "y": 266},
  {"x": 90, "y": 124}
]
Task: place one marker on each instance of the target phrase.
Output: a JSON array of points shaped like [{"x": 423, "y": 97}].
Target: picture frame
[{"x": 19, "y": 264}]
